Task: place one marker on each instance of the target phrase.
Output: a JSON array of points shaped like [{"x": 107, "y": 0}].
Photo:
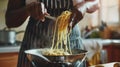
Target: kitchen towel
[{"x": 94, "y": 48}]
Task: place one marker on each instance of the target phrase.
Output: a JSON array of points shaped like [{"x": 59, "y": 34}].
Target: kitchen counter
[
  {"x": 112, "y": 64},
  {"x": 9, "y": 49},
  {"x": 105, "y": 41},
  {"x": 9, "y": 56}
]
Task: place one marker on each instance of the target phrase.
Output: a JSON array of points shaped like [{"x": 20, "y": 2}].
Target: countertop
[
  {"x": 8, "y": 49},
  {"x": 112, "y": 64},
  {"x": 105, "y": 41}
]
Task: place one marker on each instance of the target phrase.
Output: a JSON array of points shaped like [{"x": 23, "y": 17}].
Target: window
[{"x": 110, "y": 11}]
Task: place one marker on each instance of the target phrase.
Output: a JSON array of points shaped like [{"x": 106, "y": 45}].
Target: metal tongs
[{"x": 50, "y": 17}]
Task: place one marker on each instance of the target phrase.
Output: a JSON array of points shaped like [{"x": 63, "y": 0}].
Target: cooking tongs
[{"x": 50, "y": 17}]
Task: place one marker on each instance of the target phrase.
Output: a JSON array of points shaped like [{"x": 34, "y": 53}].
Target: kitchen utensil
[
  {"x": 37, "y": 56},
  {"x": 50, "y": 17},
  {"x": 8, "y": 36},
  {"x": 36, "y": 53}
]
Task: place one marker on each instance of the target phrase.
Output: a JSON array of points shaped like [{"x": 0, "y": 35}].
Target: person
[{"x": 39, "y": 30}]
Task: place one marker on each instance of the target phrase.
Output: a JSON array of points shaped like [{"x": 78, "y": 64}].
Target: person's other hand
[
  {"x": 78, "y": 12},
  {"x": 37, "y": 10},
  {"x": 76, "y": 16}
]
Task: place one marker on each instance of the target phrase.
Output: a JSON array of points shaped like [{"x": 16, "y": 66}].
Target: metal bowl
[{"x": 35, "y": 55}]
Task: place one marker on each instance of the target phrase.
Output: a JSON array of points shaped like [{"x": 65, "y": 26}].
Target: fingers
[
  {"x": 43, "y": 11},
  {"x": 37, "y": 10},
  {"x": 75, "y": 17},
  {"x": 43, "y": 8}
]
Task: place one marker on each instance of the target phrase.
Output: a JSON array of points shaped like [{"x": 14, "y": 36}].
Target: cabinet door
[
  {"x": 8, "y": 59},
  {"x": 113, "y": 53},
  {"x": 116, "y": 53}
]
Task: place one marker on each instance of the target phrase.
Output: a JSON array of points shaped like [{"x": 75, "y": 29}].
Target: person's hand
[
  {"x": 80, "y": 8},
  {"x": 76, "y": 16},
  {"x": 37, "y": 10},
  {"x": 78, "y": 12}
]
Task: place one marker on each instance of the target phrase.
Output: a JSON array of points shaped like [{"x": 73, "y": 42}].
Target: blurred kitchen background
[
  {"x": 102, "y": 25},
  {"x": 108, "y": 14}
]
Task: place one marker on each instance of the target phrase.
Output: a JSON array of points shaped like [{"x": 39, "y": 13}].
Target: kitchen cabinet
[
  {"x": 8, "y": 59},
  {"x": 113, "y": 52}
]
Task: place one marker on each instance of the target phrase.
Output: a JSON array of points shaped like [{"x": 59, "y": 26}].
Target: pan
[{"x": 37, "y": 56}]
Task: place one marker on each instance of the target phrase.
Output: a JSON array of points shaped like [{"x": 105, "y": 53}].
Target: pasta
[{"x": 61, "y": 35}]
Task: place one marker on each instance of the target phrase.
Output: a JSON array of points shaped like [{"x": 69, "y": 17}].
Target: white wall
[
  {"x": 110, "y": 11},
  {"x": 3, "y": 6},
  {"x": 90, "y": 19}
]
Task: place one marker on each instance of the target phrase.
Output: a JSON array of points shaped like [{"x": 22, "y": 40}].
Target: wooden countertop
[{"x": 112, "y": 64}]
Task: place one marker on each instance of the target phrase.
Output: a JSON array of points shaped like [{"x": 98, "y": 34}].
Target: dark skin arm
[{"x": 17, "y": 12}]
